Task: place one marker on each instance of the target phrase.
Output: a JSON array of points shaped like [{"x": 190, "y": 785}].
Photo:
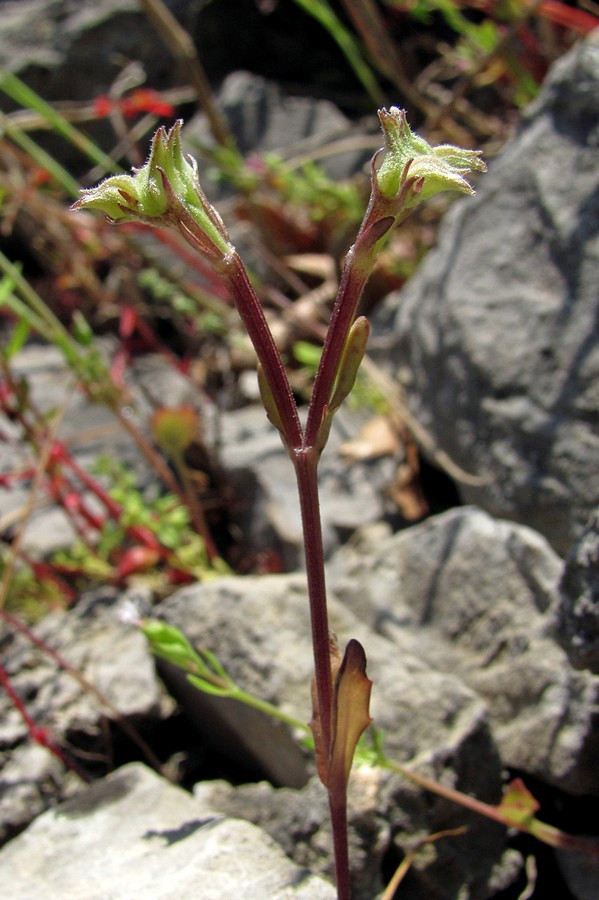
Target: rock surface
[
  {"x": 577, "y": 613},
  {"x": 499, "y": 327},
  {"x": 114, "y": 659},
  {"x": 259, "y": 469},
  {"x": 264, "y": 120},
  {"x": 46, "y": 41},
  {"x": 135, "y": 835},
  {"x": 475, "y": 597},
  {"x": 259, "y": 629}
]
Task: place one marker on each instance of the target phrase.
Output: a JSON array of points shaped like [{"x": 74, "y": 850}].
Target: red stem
[
  {"x": 254, "y": 320},
  {"x": 37, "y": 733},
  {"x": 128, "y": 729},
  {"x": 342, "y": 317},
  {"x": 338, "y": 811},
  {"x": 306, "y": 463}
]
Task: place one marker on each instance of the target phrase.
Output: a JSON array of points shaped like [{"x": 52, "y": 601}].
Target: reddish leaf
[
  {"x": 350, "y": 714},
  {"x": 137, "y": 559},
  {"x": 518, "y": 806}
]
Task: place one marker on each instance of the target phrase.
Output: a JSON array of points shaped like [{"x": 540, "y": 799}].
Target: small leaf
[
  {"x": 268, "y": 401},
  {"x": 350, "y": 714},
  {"x": 174, "y": 429},
  {"x": 168, "y": 642},
  {"x": 351, "y": 357},
  {"x": 137, "y": 559},
  {"x": 518, "y": 806}
]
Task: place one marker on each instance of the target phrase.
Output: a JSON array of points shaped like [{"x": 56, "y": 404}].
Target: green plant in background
[
  {"x": 166, "y": 192},
  {"x": 115, "y": 553}
]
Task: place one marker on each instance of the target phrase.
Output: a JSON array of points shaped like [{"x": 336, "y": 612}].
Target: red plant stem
[
  {"x": 547, "y": 833},
  {"x": 304, "y": 456},
  {"x": 60, "y": 453},
  {"x": 44, "y": 571},
  {"x": 61, "y": 490},
  {"x": 338, "y": 811},
  {"x": 114, "y": 509},
  {"x": 382, "y": 214},
  {"x": 306, "y": 463},
  {"x": 38, "y": 734},
  {"x": 87, "y": 686},
  {"x": 342, "y": 317},
  {"x": 250, "y": 310}
]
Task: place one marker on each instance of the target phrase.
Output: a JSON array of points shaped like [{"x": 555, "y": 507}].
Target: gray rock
[
  {"x": 577, "y": 610},
  {"x": 263, "y": 119},
  {"x": 113, "y": 658},
  {"x": 47, "y": 41},
  {"x": 135, "y": 835},
  {"x": 581, "y": 873},
  {"x": 499, "y": 327},
  {"x": 258, "y": 628},
  {"x": 298, "y": 821},
  {"x": 31, "y": 779},
  {"x": 88, "y": 430},
  {"x": 475, "y": 597},
  {"x": 259, "y": 469}
]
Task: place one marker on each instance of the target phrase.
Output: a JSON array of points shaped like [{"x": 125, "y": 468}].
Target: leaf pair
[{"x": 350, "y": 716}]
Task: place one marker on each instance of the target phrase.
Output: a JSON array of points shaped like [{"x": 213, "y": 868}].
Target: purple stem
[
  {"x": 338, "y": 811},
  {"x": 254, "y": 320},
  {"x": 342, "y": 317},
  {"x": 306, "y": 470}
]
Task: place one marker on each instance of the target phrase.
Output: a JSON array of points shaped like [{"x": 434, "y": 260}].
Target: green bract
[
  {"x": 436, "y": 169},
  {"x": 164, "y": 191}
]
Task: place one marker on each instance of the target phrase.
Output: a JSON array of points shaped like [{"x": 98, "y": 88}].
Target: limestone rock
[
  {"x": 498, "y": 328},
  {"x": 113, "y": 658},
  {"x": 258, "y": 628},
  {"x": 475, "y": 596},
  {"x": 267, "y": 502},
  {"x": 577, "y": 610},
  {"x": 134, "y": 834}
]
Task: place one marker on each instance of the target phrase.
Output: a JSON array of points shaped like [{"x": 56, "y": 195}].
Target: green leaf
[
  {"x": 351, "y": 358},
  {"x": 518, "y": 806},
  {"x": 18, "y": 338},
  {"x": 168, "y": 642}
]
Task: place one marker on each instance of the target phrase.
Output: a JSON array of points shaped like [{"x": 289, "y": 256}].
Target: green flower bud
[
  {"x": 164, "y": 191},
  {"x": 434, "y": 169}
]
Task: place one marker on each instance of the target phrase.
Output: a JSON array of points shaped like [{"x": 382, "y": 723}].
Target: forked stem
[{"x": 166, "y": 191}]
